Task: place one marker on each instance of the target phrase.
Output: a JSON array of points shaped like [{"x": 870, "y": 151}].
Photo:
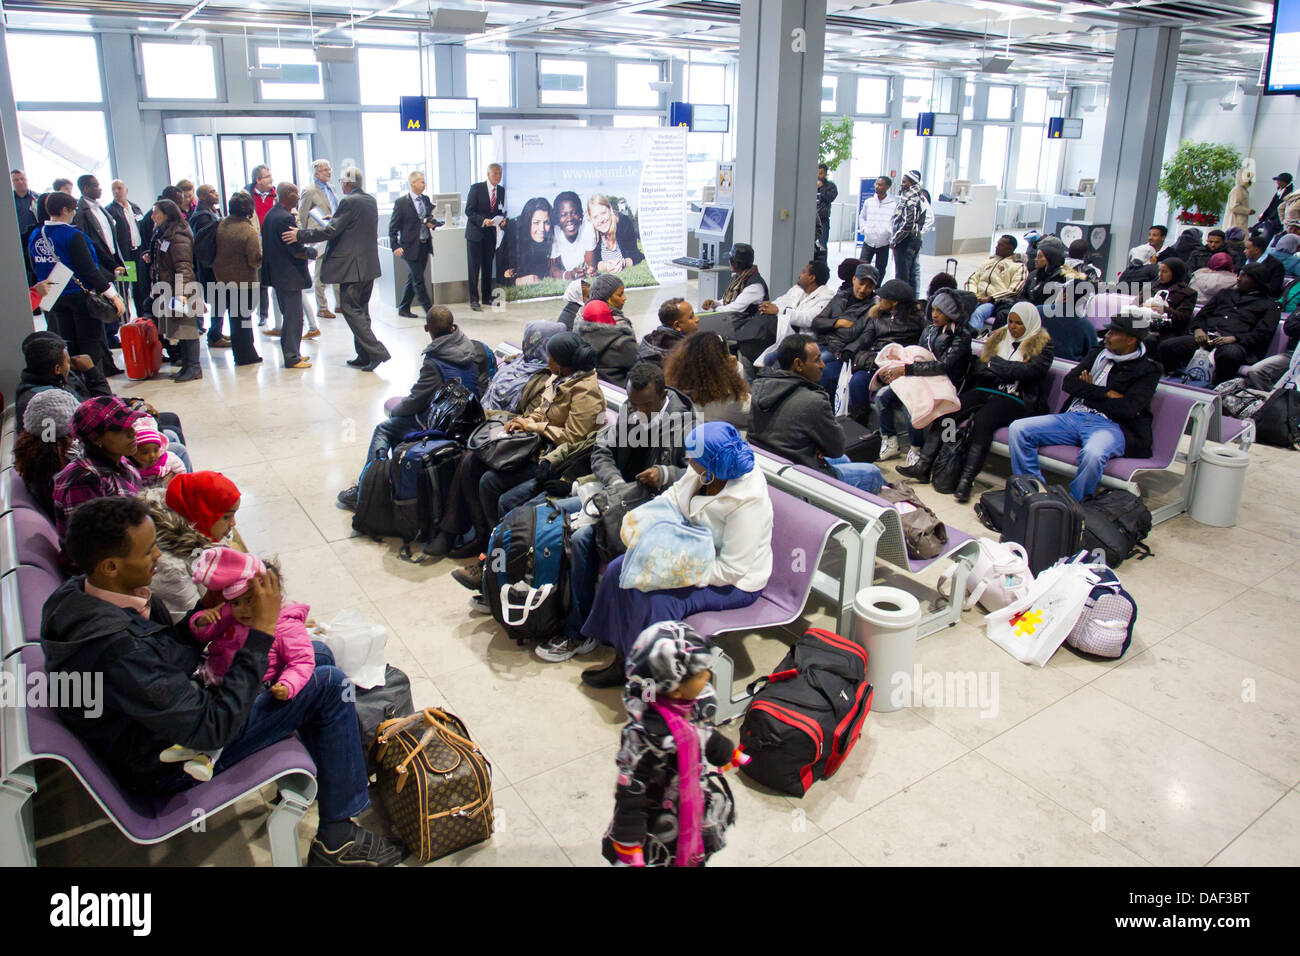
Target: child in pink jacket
[{"x": 225, "y": 628}]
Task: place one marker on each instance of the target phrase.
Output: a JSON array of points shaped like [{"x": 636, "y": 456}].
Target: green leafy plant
[
  {"x": 836, "y": 143},
  {"x": 1198, "y": 178}
]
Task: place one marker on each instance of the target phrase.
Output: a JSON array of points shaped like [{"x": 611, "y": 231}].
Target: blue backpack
[
  {"x": 525, "y": 574},
  {"x": 1105, "y": 626}
]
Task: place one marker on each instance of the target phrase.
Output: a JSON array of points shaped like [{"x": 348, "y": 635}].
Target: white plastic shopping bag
[
  {"x": 1031, "y": 629},
  {"x": 842, "y": 389},
  {"x": 357, "y": 646}
]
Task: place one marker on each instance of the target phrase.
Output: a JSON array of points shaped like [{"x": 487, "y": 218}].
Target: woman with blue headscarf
[{"x": 722, "y": 492}]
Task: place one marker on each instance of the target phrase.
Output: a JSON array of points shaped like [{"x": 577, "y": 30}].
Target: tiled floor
[{"x": 1186, "y": 752}]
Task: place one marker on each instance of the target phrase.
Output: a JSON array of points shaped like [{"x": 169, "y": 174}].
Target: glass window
[
  {"x": 634, "y": 81},
  {"x": 179, "y": 71},
  {"x": 484, "y": 156},
  {"x": 868, "y": 157},
  {"x": 1028, "y": 172},
  {"x": 829, "y": 85},
  {"x": 993, "y": 155},
  {"x": 706, "y": 83},
  {"x": 300, "y": 68},
  {"x": 562, "y": 82},
  {"x": 913, "y": 153},
  {"x": 968, "y": 102},
  {"x": 1035, "y": 104},
  {"x": 873, "y": 95},
  {"x": 636, "y": 120},
  {"x": 63, "y": 144},
  {"x": 386, "y": 74},
  {"x": 391, "y": 154},
  {"x": 916, "y": 96},
  {"x": 489, "y": 80},
  {"x": 37, "y": 80},
  {"x": 963, "y": 164},
  {"x": 1002, "y": 102},
  {"x": 703, "y": 153}
]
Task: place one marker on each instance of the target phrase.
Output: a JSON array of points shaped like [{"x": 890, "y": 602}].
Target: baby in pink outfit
[{"x": 224, "y": 630}]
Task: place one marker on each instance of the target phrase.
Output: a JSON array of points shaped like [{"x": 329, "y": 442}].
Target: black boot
[
  {"x": 613, "y": 674},
  {"x": 975, "y": 456},
  {"x": 920, "y": 472}
]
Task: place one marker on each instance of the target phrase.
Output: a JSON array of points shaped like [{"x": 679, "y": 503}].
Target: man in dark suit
[
  {"x": 134, "y": 230},
  {"x": 410, "y": 233},
  {"x": 1271, "y": 220},
  {"x": 484, "y": 214},
  {"x": 352, "y": 263},
  {"x": 92, "y": 219},
  {"x": 284, "y": 264}
]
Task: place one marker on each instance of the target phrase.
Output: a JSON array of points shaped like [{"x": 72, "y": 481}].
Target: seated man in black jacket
[
  {"x": 1106, "y": 412},
  {"x": 792, "y": 415},
  {"x": 843, "y": 320},
  {"x": 1237, "y": 325},
  {"x": 449, "y": 356},
  {"x": 676, "y": 321},
  {"x": 104, "y": 626}
]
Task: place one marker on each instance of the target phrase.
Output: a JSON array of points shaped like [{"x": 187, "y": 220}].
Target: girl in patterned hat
[{"x": 670, "y": 809}]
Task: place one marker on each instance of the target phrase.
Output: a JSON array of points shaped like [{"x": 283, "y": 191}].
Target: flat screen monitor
[
  {"x": 452, "y": 112},
  {"x": 936, "y": 124},
  {"x": 713, "y": 222},
  {"x": 445, "y": 204},
  {"x": 1282, "y": 66},
  {"x": 710, "y": 117},
  {"x": 1064, "y": 127}
]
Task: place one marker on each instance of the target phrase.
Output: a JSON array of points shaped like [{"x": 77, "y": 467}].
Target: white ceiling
[{"x": 1221, "y": 38}]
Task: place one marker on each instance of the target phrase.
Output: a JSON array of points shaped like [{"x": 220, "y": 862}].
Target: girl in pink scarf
[{"x": 669, "y": 808}]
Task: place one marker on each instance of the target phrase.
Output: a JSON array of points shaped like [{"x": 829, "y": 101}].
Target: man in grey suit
[
  {"x": 319, "y": 197},
  {"x": 352, "y": 262}
]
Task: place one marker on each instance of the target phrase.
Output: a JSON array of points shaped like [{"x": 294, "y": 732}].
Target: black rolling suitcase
[
  {"x": 860, "y": 443},
  {"x": 1044, "y": 519}
]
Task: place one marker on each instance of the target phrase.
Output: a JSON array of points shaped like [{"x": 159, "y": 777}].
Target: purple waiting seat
[
  {"x": 37, "y": 733},
  {"x": 882, "y": 537},
  {"x": 799, "y": 535},
  {"x": 28, "y": 537},
  {"x": 22, "y": 598}
]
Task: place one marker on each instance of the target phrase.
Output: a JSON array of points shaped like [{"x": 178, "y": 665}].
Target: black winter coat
[
  {"x": 1250, "y": 317},
  {"x": 1136, "y": 383}
]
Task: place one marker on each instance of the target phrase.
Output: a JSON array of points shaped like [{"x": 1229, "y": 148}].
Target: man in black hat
[
  {"x": 1106, "y": 412},
  {"x": 753, "y": 331},
  {"x": 1271, "y": 220},
  {"x": 1237, "y": 325}
]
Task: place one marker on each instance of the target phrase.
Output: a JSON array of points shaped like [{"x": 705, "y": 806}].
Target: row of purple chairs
[{"x": 29, "y": 572}]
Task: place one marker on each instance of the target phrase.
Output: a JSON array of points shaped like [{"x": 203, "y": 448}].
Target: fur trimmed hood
[{"x": 1033, "y": 346}]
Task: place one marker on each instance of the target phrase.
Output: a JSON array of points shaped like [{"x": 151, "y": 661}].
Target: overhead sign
[
  {"x": 936, "y": 124},
  {"x": 1064, "y": 127},
  {"x": 452, "y": 112},
  {"x": 415, "y": 117}
]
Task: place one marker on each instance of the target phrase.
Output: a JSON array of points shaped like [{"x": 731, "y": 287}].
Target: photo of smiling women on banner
[
  {"x": 617, "y": 243},
  {"x": 573, "y": 239},
  {"x": 530, "y": 253}
]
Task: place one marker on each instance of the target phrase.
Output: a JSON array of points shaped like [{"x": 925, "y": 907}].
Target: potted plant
[
  {"x": 1197, "y": 180},
  {"x": 836, "y": 143}
]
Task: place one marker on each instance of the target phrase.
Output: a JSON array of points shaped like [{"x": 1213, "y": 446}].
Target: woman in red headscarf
[{"x": 196, "y": 513}]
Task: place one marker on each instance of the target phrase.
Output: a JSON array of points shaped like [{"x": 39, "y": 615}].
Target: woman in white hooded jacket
[{"x": 724, "y": 492}]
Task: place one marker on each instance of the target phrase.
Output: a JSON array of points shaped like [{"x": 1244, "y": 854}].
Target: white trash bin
[
  {"x": 1220, "y": 482},
  {"x": 885, "y": 622}
]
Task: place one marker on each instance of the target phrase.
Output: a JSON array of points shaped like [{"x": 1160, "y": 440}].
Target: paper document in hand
[
  {"x": 499, "y": 221},
  {"x": 316, "y": 214},
  {"x": 58, "y": 278}
]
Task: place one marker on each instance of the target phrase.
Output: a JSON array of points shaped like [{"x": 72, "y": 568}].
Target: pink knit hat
[
  {"x": 150, "y": 435},
  {"x": 227, "y": 570}
]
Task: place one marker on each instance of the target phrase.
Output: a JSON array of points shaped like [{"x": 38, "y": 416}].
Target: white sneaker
[
  {"x": 913, "y": 457},
  {"x": 478, "y": 604},
  {"x": 888, "y": 448},
  {"x": 561, "y": 649},
  {"x": 178, "y": 754},
  {"x": 200, "y": 768}
]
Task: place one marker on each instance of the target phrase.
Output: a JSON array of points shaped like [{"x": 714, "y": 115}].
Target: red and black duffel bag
[{"x": 808, "y": 715}]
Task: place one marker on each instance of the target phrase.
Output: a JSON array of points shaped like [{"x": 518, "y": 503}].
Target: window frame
[
  {"x": 618, "y": 85},
  {"x": 510, "y": 80},
  {"x": 834, "y": 80},
  {"x": 259, "y": 92},
  {"x": 218, "y": 75},
  {"x": 369, "y": 107},
  {"x": 586, "y": 76},
  {"x": 64, "y": 105},
  {"x": 888, "y": 80}
]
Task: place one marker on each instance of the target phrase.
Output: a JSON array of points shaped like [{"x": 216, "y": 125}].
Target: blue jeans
[
  {"x": 983, "y": 312},
  {"x": 324, "y": 716},
  {"x": 388, "y": 433},
  {"x": 1098, "y": 438},
  {"x": 860, "y": 389},
  {"x": 525, "y": 492},
  {"x": 831, "y": 374},
  {"x": 860, "y": 474},
  {"x": 887, "y": 404},
  {"x": 907, "y": 265}
]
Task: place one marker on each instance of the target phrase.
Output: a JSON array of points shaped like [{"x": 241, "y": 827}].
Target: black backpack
[
  {"x": 1277, "y": 420},
  {"x": 526, "y": 574},
  {"x": 805, "y": 720},
  {"x": 454, "y": 412},
  {"x": 403, "y": 496},
  {"x": 1115, "y": 522}
]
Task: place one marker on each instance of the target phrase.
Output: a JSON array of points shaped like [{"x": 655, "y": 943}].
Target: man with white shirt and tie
[
  {"x": 92, "y": 219},
  {"x": 315, "y": 209},
  {"x": 410, "y": 233},
  {"x": 484, "y": 215},
  {"x": 134, "y": 230}
]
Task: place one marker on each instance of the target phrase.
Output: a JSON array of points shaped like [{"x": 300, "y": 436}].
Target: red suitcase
[{"x": 141, "y": 349}]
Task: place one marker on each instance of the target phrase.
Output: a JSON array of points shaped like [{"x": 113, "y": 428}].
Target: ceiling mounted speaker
[
  {"x": 1057, "y": 95},
  {"x": 444, "y": 20},
  {"x": 996, "y": 64}
]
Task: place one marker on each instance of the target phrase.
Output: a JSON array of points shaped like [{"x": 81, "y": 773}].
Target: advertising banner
[{"x": 585, "y": 201}]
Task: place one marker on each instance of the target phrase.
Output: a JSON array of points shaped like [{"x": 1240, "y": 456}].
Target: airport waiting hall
[{"x": 375, "y": 221}]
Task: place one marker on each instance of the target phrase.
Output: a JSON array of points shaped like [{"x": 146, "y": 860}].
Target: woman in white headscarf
[
  {"x": 575, "y": 297},
  {"x": 1009, "y": 381}
]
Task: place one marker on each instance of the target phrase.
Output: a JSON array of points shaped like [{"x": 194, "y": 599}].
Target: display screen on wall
[
  {"x": 936, "y": 124},
  {"x": 1064, "y": 127},
  {"x": 710, "y": 117},
  {"x": 1282, "y": 71},
  {"x": 452, "y": 112}
]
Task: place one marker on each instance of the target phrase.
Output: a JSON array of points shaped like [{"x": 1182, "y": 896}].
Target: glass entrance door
[
  {"x": 241, "y": 154},
  {"x": 226, "y": 160}
]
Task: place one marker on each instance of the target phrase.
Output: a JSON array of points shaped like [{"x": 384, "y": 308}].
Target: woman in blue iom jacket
[{"x": 60, "y": 241}]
